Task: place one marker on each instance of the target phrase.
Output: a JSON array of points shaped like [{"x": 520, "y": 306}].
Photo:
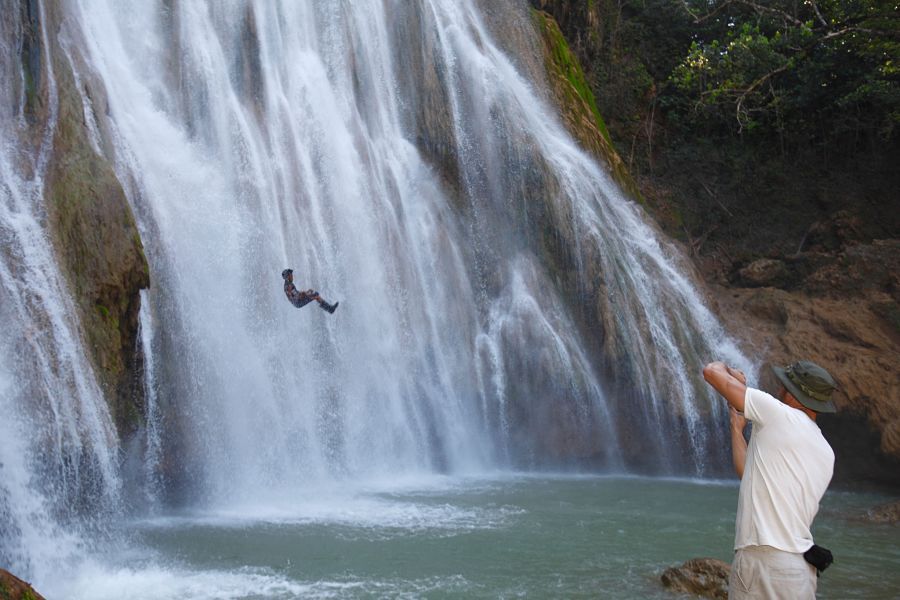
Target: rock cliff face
[
  {"x": 838, "y": 308},
  {"x": 91, "y": 224},
  {"x": 834, "y": 300}
]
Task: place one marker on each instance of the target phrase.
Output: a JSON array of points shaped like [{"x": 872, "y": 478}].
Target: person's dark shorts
[{"x": 302, "y": 301}]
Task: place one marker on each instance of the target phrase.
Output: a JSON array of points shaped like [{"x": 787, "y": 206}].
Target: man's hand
[{"x": 737, "y": 374}]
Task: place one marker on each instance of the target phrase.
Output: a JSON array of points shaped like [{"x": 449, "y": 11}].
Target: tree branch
[
  {"x": 772, "y": 11},
  {"x": 818, "y": 13},
  {"x": 746, "y": 92},
  {"x": 699, "y": 18}
]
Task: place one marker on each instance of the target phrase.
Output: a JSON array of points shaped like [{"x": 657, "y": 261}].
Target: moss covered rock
[
  {"x": 13, "y": 588},
  {"x": 95, "y": 238},
  {"x": 578, "y": 107}
]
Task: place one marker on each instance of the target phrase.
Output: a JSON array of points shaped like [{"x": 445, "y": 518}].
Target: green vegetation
[
  {"x": 568, "y": 66},
  {"x": 745, "y": 122},
  {"x": 809, "y": 73},
  {"x": 577, "y": 102}
]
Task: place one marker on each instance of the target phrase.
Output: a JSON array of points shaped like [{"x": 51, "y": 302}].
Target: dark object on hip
[{"x": 819, "y": 557}]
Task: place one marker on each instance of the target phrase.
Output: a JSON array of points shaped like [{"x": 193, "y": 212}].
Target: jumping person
[
  {"x": 784, "y": 474},
  {"x": 301, "y": 299}
]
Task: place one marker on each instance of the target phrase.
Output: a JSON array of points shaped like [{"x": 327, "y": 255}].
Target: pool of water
[{"x": 497, "y": 537}]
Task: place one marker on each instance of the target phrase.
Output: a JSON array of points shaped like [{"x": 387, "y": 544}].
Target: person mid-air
[{"x": 301, "y": 299}]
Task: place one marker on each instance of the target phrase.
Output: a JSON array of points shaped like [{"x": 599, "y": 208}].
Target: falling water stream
[{"x": 393, "y": 154}]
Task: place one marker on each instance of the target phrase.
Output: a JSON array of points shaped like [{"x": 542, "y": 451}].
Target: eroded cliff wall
[{"x": 89, "y": 219}]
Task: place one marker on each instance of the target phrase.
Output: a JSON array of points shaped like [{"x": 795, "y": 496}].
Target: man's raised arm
[{"x": 731, "y": 383}]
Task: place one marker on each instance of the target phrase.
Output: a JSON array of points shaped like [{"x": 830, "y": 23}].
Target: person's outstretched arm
[
  {"x": 738, "y": 443},
  {"x": 731, "y": 383}
]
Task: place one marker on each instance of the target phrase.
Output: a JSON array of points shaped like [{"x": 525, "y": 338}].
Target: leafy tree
[{"x": 805, "y": 70}]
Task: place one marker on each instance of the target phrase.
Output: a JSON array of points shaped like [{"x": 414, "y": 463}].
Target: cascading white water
[
  {"x": 252, "y": 137},
  {"x": 313, "y": 170},
  {"x": 151, "y": 452},
  {"x": 58, "y": 446}
]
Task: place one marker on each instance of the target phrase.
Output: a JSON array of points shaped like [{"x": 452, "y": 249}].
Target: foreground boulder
[
  {"x": 886, "y": 513},
  {"x": 13, "y": 588},
  {"x": 706, "y": 577}
]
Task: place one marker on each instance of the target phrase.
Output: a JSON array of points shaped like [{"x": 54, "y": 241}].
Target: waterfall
[
  {"x": 58, "y": 447},
  {"x": 151, "y": 452},
  {"x": 403, "y": 158}
]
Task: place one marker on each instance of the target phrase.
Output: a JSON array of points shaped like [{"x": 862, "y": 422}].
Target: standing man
[
  {"x": 301, "y": 299},
  {"x": 784, "y": 474}
]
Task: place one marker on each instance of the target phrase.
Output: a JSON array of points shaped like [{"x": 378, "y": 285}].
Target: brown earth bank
[
  {"x": 801, "y": 257},
  {"x": 13, "y": 588}
]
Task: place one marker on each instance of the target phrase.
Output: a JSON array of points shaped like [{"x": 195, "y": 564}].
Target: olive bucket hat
[{"x": 810, "y": 384}]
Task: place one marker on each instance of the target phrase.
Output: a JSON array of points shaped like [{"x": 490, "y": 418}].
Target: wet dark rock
[
  {"x": 13, "y": 588},
  {"x": 424, "y": 83},
  {"x": 765, "y": 272},
  {"x": 249, "y": 66},
  {"x": 706, "y": 577},
  {"x": 839, "y": 230},
  {"x": 858, "y": 270},
  {"x": 767, "y": 304},
  {"x": 885, "y": 513}
]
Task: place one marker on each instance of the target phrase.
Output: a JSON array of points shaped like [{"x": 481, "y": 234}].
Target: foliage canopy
[{"x": 811, "y": 70}]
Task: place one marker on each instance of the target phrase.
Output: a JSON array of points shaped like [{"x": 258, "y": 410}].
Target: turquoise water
[{"x": 503, "y": 537}]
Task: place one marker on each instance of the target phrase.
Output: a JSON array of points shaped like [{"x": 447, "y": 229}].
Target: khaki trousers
[{"x": 763, "y": 572}]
